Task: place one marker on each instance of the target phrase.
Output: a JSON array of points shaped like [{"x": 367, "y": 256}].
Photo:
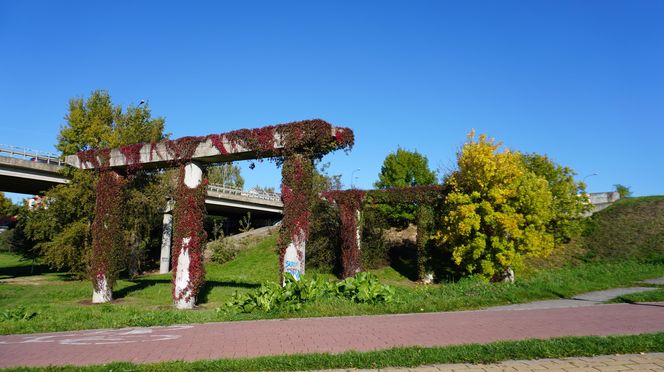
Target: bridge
[{"x": 28, "y": 171}]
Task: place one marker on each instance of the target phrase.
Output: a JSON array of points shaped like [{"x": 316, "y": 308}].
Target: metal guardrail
[
  {"x": 33, "y": 155},
  {"x": 256, "y": 194}
]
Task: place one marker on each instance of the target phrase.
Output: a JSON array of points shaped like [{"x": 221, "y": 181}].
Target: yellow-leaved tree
[{"x": 496, "y": 211}]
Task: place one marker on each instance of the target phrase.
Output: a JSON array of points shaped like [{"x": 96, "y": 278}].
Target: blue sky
[{"x": 582, "y": 81}]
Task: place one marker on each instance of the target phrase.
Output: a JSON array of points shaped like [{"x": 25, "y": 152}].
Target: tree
[
  {"x": 496, "y": 212},
  {"x": 61, "y": 230},
  {"x": 403, "y": 169},
  {"x": 96, "y": 123},
  {"x": 569, "y": 197},
  {"x": 226, "y": 174},
  {"x": 7, "y": 207},
  {"x": 622, "y": 190}
]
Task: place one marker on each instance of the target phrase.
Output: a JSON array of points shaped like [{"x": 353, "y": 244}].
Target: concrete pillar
[
  {"x": 297, "y": 171},
  {"x": 166, "y": 235},
  {"x": 184, "y": 292},
  {"x": 351, "y": 227},
  {"x": 108, "y": 242}
]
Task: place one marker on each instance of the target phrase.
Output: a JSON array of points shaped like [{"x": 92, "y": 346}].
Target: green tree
[
  {"x": 61, "y": 230},
  {"x": 403, "y": 168},
  {"x": 226, "y": 174},
  {"x": 569, "y": 197},
  {"x": 622, "y": 190},
  {"x": 496, "y": 212},
  {"x": 7, "y": 207},
  {"x": 96, "y": 123}
]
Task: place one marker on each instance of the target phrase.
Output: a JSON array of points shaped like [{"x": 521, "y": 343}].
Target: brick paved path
[
  {"x": 361, "y": 333},
  {"x": 628, "y": 362}
]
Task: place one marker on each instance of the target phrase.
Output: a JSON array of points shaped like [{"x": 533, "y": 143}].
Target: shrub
[
  {"x": 222, "y": 251},
  {"x": 496, "y": 213}
]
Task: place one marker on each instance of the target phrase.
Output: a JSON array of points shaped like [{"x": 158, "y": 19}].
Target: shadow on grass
[
  {"x": 27, "y": 270},
  {"x": 138, "y": 285},
  {"x": 141, "y": 284},
  {"x": 211, "y": 284}
]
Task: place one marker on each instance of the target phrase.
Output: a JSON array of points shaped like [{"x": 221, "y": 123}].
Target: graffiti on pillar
[{"x": 291, "y": 262}]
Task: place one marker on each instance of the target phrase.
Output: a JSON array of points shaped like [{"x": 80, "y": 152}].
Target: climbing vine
[
  {"x": 99, "y": 159},
  {"x": 189, "y": 234},
  {"x": 350, "y": 205},
  {"x": 132, "y": 154},
  {"x": 296, "y": 189},
  {"x": 310, "y": 138},
  {"x": 107, "y": 237}
]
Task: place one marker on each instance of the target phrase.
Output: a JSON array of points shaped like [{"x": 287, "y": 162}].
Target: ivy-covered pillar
[
  {"x": 296, "y": 183},
  {"x": 107, "y": 236},
  {"x": 166, "y": 237},
  {"x": 189, "y": 236},
  {"x": 350, "y": 212},
  {"x": 424, "y": 220}
]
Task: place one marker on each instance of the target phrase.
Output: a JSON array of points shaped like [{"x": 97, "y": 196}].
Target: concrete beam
[{"x": 159, "y": 154}]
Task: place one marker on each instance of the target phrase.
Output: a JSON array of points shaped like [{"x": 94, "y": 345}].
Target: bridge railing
[
  {"x": 33, "y": 155},
  {"x": 256, "y": 194}
]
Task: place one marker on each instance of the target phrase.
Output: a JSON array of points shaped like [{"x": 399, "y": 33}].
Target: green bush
[
  {"x": 363, "y": 288},
  {"x": 222, "y": 251}
]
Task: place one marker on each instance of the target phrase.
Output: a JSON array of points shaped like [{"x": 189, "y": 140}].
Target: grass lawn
[
  {"x": 650, "y": 296},
  {"x": 54, "y": 302},
  {"x": 407, "y": 357}
]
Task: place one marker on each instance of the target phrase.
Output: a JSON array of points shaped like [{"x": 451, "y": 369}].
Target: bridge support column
[
  {"x": 297, "y": 172},
  {"x": 189, "y": 236},
  {"x": 166, "y": 235},
  {"x": 107, "y": 237}
]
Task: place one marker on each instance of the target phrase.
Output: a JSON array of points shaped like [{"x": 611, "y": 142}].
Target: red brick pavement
[{"x": 294, "y": 336}]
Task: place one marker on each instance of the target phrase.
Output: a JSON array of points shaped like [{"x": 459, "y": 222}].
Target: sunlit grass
[{"x": 63, "y": 304}]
